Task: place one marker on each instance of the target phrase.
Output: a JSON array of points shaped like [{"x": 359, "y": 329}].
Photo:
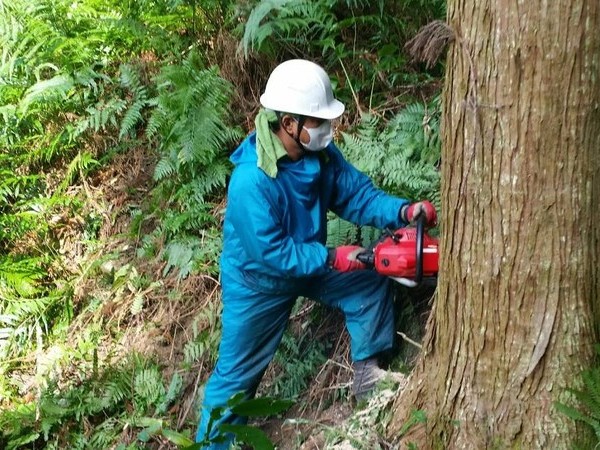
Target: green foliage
[
  {"x": 189, "y": 123},
  {"x": 28, "y": 309},
  {"x": 130, "y": 79},
  {"x": 281, "y": 19},
  {"x": 203, "y": 343},
  {"x": 186, "y": 254},
  {"x": 404, "y": 157},
  {"x": 240, "y": 405},
  {"x": 341, "y": 232},
  {"x": 81, "y": 165},
  {"x": 57, "y": 87},
  {"x": 189, "y": 119},
  {"x": 67, "y": 104},
  {"x": 587, "y": 401},
  {"x": 298, "y": 359},
  {"x": 360, "y": 43},
  {"x": 121, "y": 396}
]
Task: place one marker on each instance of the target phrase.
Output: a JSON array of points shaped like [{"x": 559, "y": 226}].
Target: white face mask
[{"x": 320, "y": 137}]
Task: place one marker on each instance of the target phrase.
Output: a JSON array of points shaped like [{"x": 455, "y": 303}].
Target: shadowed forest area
[{"x": 117, "y": 121}]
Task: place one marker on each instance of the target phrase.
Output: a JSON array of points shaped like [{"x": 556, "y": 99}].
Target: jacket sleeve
[
  {"x": 256, "y": 216},
  {"x": 357, "y": 200}
]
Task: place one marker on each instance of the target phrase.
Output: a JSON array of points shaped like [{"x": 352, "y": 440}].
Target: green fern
[
  {"x": 101, "y": 115},
  {"x": 20, "y": 276},
  {"x": 27, "y": 307},
  {"x": 53, "y": 90},
  {"x": 172, "y": 393},
  {"x": 189, "y": 122},
  {"x": 80, "y": 166},
  {"x": 299, "y": 360},
  {"x": 340, "y": 232},
  {"x": 130, "y": 79},
  {"x": 138, "y": 305},
  {"x": 113, "y": 401},
  {"x": 206, "y": 339},
  {"x": 358, "y": 42},
  {"x": 149, "y": 389},
  {"x": 166, "y": 167},
  {"x": 282, "y": 19},
  {"x": 587, "y": 408},
  {"x": 404, "y": 157},
  {"x": 189, "y": 115}
]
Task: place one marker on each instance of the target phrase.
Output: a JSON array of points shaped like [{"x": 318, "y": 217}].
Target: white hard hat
[{"x": 301, "y": 87}]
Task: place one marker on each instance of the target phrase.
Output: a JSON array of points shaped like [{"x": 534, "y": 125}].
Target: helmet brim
[{"x": 332, "y": 111}]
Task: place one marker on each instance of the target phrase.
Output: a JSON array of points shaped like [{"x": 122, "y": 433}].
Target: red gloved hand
[
  {"x": 412, "y": 211},
  {"x": 345, "y": 258}
]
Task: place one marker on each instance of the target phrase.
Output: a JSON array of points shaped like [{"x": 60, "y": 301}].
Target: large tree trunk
[{"x": 516, "y": 313}]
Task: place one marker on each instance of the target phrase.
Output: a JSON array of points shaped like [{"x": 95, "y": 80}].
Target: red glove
[
  {"x": 412, "y": 211},
  {"x": 345, "y": 260}
]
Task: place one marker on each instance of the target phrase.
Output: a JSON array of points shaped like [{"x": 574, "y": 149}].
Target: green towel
[{"x": 269, "y": 147}]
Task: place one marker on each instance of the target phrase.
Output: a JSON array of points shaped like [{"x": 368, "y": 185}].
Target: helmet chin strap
[{"x": 300, "y": 121}]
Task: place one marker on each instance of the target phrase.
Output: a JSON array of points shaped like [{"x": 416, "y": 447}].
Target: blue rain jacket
[{"x": 275, "y": 228}]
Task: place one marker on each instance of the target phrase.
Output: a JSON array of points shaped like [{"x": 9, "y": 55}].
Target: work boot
[{"x": 367, "y": 374}]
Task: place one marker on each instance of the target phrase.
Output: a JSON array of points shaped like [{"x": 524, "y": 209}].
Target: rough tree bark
[{"x": 516, "y": 312}]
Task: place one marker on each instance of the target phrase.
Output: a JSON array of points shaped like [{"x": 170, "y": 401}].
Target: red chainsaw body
[{"x": 396, "y": 255}]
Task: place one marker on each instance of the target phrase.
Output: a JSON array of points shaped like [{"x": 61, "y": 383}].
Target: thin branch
[{"x": 410, "y": 341}]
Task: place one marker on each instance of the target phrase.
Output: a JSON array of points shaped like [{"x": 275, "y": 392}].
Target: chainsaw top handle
[{"x": 419, "y": 262}]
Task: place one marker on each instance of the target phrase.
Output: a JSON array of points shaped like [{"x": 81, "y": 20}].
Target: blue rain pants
[{"x": 251, "y": 334}]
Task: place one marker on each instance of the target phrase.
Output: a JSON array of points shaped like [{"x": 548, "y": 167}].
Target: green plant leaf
[
  {"x": 177, "y": 438},
  {"x": 248, "y": 435},
  {"x": 258, "y": 407},
  {"x": 194, "y": 447}
]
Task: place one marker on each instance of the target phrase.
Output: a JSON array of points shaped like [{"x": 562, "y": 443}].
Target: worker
[{"x": 287, "y": 175}]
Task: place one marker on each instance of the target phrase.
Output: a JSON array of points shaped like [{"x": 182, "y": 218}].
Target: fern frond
[
  {"x": 101, "y": 115},
  {"x": 137, "y": 305},
  {"x": 115, "y": 390},
  {"x": 79, "y": 166},
  {"x": 21, "y": 276},
  {"x": 56, "y": 87},
  {"x": 164, "y": 168},
  {"x": 130, "y": 79},
  {"x": 340, "y": 232},
  {"x": 195, "y": 350},
  {"x": 287, "y": 20},
  {"x": 132, "y": 117},
  {"x": 403, "y": 156},
  {"x": 172, "y": 393},
  {"x": 148, "y": 387},
  {"x": 254, "y": 32},
  {"x": 180, "y": 254}
]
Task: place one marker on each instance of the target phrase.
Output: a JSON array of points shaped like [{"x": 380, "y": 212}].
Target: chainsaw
[{"x": 408, "y": 255}]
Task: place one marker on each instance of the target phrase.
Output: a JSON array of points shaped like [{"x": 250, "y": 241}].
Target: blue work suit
[{"x": 274, "y": 251}]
